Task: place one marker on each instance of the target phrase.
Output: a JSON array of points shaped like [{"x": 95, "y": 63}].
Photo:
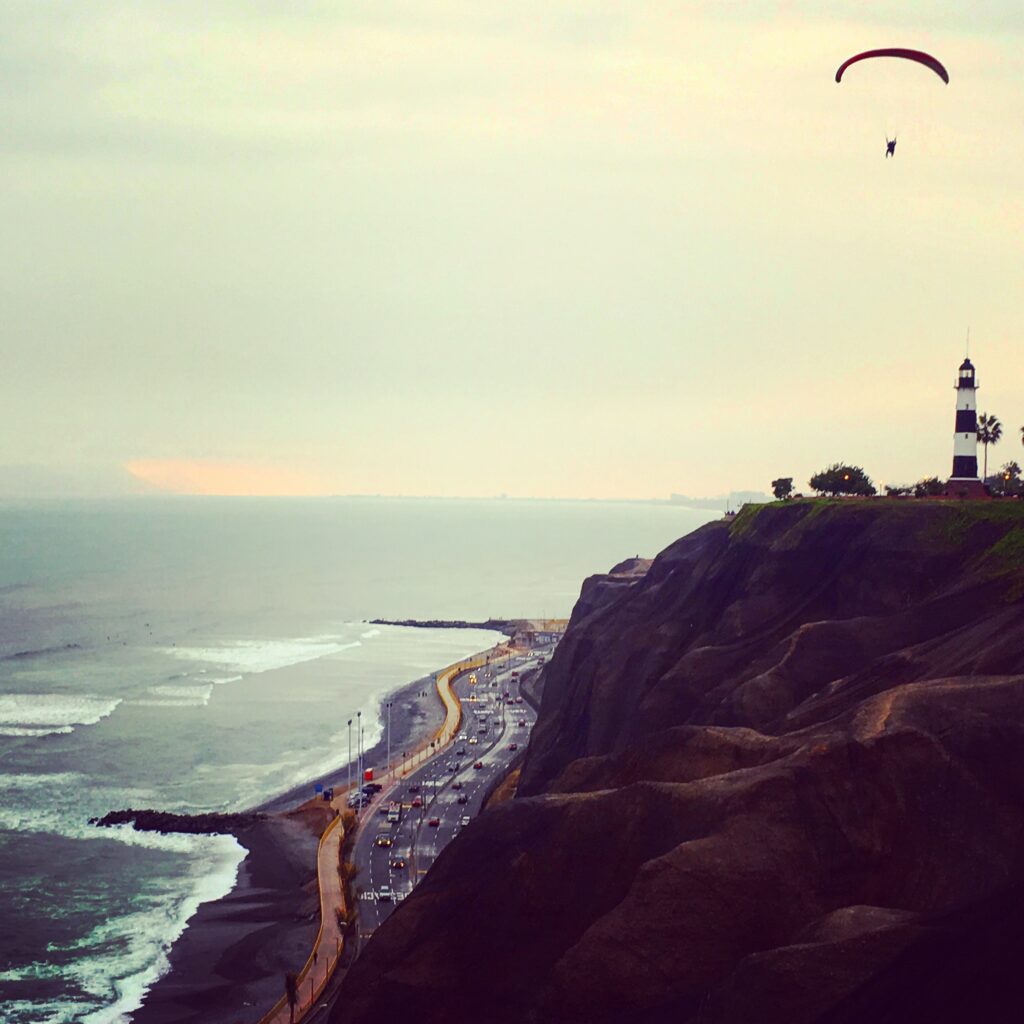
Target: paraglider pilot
[{"x": 890, "y": 147}]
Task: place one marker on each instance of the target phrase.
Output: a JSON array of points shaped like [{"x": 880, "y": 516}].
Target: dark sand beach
[{"x": 229, "y": 964}]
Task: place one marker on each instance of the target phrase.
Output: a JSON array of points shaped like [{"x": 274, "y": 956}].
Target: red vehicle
[
  {"x": 434, "y": 822},
  {"x": 513, "y": 746},
  {"x": 479, "y": 765},
  {"x": 417, "y": 801}
]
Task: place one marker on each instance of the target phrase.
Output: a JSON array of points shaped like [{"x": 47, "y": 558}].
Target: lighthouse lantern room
[{"x": 965, "y": 438}]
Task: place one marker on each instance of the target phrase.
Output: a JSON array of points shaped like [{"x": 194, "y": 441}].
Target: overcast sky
[{"x": 541, "y": 247}]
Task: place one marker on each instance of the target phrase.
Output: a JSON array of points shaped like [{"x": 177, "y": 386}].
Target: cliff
[{"x": 779, "y": 777}]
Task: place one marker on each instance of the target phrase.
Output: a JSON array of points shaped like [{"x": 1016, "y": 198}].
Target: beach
[
  {"x": 205, "y": 657},
  {"x": 229, "y": 964}
]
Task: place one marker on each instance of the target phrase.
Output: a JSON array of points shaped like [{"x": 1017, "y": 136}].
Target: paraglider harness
[{"x": 890, "y": 147}]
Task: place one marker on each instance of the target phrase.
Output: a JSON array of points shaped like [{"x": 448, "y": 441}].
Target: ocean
[{"x": 198, "y": 654}]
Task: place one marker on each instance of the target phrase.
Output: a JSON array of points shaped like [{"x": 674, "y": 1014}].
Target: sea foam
[
  {"x": 43, "y": 714},
  {"x": 263, "y": 655}
]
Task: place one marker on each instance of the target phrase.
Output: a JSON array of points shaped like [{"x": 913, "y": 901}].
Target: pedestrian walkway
[{"x": 330, "y": 938}]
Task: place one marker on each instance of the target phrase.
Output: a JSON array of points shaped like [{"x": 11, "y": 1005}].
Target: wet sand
[{"x": 228, "y": 966}]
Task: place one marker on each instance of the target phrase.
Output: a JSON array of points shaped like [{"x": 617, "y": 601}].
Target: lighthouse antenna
[{"x": 968, "y": 343}]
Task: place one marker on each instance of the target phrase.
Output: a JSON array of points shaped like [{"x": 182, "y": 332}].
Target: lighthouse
[{"x": 965, "y": 437}]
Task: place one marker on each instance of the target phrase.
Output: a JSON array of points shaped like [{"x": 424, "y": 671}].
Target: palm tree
[{"x": 990, "y": 430}]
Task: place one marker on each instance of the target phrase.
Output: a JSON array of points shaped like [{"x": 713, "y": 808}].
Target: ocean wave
[
  {"x": 178, "y": 696},
  {"x": 263, "y": 655},
  {"x": 121, "y": 958},
  {"x": 52, "y": 821},
  {"x": 18, "y": 730},
  {"x": 52, "y": 712},
  {"x": 370, "y": 634}
]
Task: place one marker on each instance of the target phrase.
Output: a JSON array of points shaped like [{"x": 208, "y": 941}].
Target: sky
[{"x": 546, "y": 248}]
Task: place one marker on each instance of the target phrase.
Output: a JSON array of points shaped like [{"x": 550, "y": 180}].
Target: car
[
  {"x": 465, "y": 820},
  {"x": 462, "y": 737},
  {"x": 452, "y": 766},
  {"x": 497, "y": 721},
  {"x": 434, "y": 822},
  {"x": 461, "y": 752},
  {"x": 414, "y": 789},
  {"x": 456, "y": 785},
  {"x": 372, "y": 787},
  {"x": 507, "y": 695},
  {"x": 359, "y": 800},
  {"x": 417, "y": 801},
  {"x": 522, "y": 723},
  {"x": 394, "y": 814},
  {"x": 473, "y": 741},
  {"x": 463, "y": 799},
  {"x": 482, "y": 730},
  {"x": 478, "y": 765},
  {"x": 519, "y": 700},
  {"x": 513, "y": 746},
  {"x": 384, "y": 894},
  {"x": 397, "y": 863},
  {"x": 383, "y": 839}
]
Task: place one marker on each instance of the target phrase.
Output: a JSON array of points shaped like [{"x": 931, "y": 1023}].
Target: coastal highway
[{"x": 387, "y": 874}]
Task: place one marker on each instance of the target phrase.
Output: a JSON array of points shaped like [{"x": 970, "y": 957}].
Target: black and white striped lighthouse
[{"x": 965, "y": 439}]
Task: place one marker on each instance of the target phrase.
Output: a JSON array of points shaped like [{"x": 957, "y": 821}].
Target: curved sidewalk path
[{"x": 330, "y": 939}]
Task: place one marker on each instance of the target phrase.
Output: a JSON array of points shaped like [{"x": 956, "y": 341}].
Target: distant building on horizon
[{"x": 964, "y": 481}]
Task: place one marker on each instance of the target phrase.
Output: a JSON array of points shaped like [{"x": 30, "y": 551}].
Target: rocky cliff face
[{"x": 780, "y": 777}]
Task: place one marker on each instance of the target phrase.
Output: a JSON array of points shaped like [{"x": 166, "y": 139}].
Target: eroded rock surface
[{"x": 778, "y": 777}]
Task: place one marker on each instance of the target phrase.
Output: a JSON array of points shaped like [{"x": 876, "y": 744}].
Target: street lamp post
[
  {"x": 389, "y": 737},
  {"x": 359, "y": 750},
  {"x": 350, "y": 758}
]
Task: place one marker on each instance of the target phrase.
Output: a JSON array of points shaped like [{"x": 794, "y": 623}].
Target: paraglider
[{"x": 916, "y": 55}]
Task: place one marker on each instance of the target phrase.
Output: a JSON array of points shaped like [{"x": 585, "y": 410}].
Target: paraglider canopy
[{"x": 916, "y": 55}]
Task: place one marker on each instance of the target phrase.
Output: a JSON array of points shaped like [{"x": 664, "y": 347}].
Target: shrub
[{"x": 929, "y": 487}]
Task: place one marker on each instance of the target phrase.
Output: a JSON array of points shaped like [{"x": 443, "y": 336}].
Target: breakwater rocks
[
  {"x": 507, "y": 626},
  {"x": 164, "y": 821},
  {"x": 775, "y": 778}
]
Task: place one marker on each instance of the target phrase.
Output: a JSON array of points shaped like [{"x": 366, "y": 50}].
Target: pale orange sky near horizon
[{"x": 552, "y": 248}]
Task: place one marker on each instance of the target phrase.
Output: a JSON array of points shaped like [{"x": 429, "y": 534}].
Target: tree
[
  {"x": 894, "y": 491},
  {"x": 990, "y": 430},
  {"x": 291, "y": 992},
  {"x": 1008, "y": 480},
  {"x": 929, "y": 487},
  {"x": 783, "y": 487},
  {"x": 842, "y": 479}
]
